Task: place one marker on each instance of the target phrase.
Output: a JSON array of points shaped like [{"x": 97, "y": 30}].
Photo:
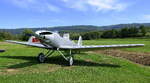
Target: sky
[{"x": 49, "y": 13}]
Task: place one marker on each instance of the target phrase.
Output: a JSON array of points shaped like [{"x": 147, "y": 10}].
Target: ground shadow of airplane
[{"x": 54, "y": 60}]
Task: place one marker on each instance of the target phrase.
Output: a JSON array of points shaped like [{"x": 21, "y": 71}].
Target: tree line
[
  {"x": 24, "y": 36},
  {"x": 114, "y": 33},
  {"x": 126, "y": 32}
]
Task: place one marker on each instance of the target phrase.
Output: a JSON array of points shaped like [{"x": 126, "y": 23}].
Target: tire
[
  {"x": 41, "y": 58},
  {"x": 70, "y": 61}
]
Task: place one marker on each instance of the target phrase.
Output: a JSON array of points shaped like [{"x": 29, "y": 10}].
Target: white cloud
[
  {"x": 82, "y": 5},
  {"x": 53, "y": 8},
  {"x": 98, "y": 5},
  {"x": 38, "y": 5}
]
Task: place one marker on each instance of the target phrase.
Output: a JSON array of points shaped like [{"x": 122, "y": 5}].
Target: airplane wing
[
  {"x": 30, "y": 44},
  {"x": 95, "y": 47}
]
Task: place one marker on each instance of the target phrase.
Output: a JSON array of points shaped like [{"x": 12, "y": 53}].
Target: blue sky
[{"x": 43, "y": 13}]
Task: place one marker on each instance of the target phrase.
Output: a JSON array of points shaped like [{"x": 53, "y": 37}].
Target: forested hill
[
  {"x": 118, "y": 26},
  {"x": 78, "y": 28}
]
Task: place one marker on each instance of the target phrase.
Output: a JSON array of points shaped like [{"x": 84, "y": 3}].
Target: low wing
[
  {"x": 30, "y": 44},
  {"x": 95, "y": 47}
]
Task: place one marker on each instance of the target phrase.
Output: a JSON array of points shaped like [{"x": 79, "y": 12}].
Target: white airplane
[{"x": 52, "y": 41}]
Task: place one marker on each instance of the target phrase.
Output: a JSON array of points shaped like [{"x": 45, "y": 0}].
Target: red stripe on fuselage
[{"x": 35, "y": 40}]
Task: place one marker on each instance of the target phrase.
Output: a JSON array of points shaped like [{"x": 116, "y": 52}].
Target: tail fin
[
  {"x": 80, "y": 41},
  {"x": 33, "y": 39},
  {"x": 66, "y": 36}
]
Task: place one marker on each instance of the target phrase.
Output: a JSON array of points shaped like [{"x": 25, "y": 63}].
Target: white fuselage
[{"x": 54, "y": 39}]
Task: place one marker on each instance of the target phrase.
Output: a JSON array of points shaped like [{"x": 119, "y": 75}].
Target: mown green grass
[
  {"x": 123, "y": 41},
  {"x": 18, "y": 65}
]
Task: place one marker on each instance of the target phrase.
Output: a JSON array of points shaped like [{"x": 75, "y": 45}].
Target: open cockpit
[{"x": 44, "y": 32}]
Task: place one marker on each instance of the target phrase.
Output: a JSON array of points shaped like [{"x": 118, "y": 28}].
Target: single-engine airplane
[{"x": 53, "y": 41}]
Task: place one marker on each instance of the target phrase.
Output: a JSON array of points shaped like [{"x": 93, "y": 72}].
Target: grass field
[{"x": 19, "y": 65}]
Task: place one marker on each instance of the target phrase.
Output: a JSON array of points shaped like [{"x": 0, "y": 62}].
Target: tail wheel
[
  {"x": 70, "y": 61},
  {"x": 41, "y": 58}
]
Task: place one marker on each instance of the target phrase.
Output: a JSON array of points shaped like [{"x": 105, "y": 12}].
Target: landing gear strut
[{"x": 69, "y": 58}]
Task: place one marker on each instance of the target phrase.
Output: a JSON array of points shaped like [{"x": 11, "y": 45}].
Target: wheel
[
  {"x": 70, "y": 61},
  {"x": 41, "y": 58}
]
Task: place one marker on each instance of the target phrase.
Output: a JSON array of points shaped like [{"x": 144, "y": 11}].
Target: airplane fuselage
[{"x": 53, "y": 39}]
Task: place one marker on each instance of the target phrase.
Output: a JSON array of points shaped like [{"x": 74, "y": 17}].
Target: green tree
[
  {"x": 6, "y": 35},
  {"x": 143, "y": 30},
  {"x": 133, "y": 32},
  {"x": 110, "y": 34},
  {"x": 124, "y": 32},
  {"x": 91, "y": 35},
  {"x": 26, "y": 34}
]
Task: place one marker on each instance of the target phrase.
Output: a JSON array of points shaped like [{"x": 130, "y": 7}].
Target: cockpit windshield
[{"x": 45, "y": 33}]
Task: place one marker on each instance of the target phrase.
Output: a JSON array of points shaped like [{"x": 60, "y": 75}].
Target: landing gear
[
  {"x": 69, "y": 58},
  {"x": 41, "y": 58}
]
